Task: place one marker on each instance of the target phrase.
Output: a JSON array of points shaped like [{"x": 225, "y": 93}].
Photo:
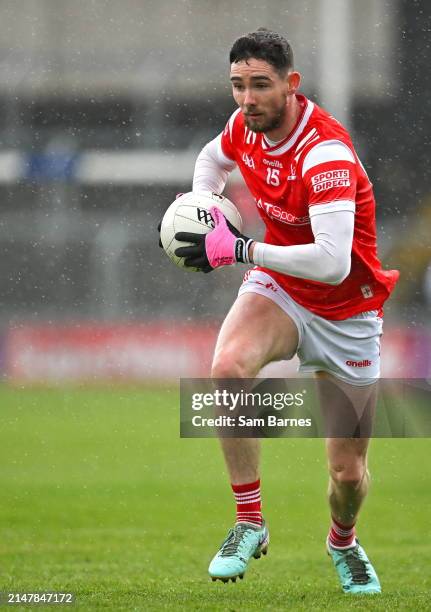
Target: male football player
[{"x": 316, "y": 288}]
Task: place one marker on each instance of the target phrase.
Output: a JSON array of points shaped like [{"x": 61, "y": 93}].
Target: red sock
[
  {"x": 248, "y": 503},
  {"x": 341, "y": 536}
]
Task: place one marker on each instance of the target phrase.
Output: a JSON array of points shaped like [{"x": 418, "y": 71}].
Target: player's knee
[
  {"x": 230, "y": 364},
  {"x": 349, "y": 476}
]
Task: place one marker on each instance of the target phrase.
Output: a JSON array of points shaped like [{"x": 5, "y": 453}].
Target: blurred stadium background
[{"x": 103, "y": 109}]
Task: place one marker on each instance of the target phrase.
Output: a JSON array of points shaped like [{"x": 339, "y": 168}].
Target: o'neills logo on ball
[
  {"x": 359, "y": 364},
  {"x": 330, "y": 179}
]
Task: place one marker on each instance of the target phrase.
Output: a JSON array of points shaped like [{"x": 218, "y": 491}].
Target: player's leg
[
  {"x": 255, "y": 332},
  {"x": 347, "y": 457},
  {"x": 348, "y": 482}
]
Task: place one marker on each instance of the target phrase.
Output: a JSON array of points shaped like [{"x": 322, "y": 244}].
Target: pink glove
[
  {"x": 222, "y": 246},
  {"x": 220, "y": 242}
]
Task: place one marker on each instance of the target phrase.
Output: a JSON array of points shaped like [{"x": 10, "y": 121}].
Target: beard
[{"x": 268, "y": 124}]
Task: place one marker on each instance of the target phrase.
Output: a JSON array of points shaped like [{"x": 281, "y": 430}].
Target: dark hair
[{"x": 266, "y": 45}]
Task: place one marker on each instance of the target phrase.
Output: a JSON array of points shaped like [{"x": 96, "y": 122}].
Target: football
[{"x": 190, "y": 213}]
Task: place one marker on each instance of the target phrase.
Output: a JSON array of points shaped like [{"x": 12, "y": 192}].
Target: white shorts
[{"x": 348, "y": 349}]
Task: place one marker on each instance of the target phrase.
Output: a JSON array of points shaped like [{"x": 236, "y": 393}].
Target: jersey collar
[{"x": 287, "y": 143}]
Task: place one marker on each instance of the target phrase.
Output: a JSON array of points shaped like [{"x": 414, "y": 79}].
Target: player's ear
[{"x": 293, "y": 81}]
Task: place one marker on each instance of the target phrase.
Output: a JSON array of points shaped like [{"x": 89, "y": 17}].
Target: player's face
[{"x": 261, "y": 93}]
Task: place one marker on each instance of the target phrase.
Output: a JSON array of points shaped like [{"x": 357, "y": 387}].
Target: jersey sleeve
[
  {"x": 329, "y": 175},
  {"x": 227, "y": 146}
]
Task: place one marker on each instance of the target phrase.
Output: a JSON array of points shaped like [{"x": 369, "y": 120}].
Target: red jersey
[{"x": 315, "y": 165}]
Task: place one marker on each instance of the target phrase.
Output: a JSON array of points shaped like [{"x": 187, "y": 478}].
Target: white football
[{"x": 190, "y": 213}]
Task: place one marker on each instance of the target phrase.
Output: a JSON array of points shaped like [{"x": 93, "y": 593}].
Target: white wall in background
[{"x": 146, "y": 46}]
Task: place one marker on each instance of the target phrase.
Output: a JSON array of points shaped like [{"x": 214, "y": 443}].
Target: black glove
[{"x": 195, "y": 256}]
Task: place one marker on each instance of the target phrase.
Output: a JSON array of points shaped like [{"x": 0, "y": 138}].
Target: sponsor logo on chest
[
  {"x": 330, "y": 179},
  {"x": 273, "y": 211}
]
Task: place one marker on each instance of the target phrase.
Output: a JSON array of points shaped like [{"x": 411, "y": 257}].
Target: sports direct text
[
  {"x": 241, "y": 399},
  {"x": 330, "y": 179}
]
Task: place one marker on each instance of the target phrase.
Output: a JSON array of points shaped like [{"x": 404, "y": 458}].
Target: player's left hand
[{"x": 222, "y": 246}]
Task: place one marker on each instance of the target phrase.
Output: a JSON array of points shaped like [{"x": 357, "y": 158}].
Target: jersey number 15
[{"x": 273, "y": 176}]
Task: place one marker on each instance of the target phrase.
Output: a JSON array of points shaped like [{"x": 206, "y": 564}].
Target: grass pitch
[{"x": 99, "y": 496}]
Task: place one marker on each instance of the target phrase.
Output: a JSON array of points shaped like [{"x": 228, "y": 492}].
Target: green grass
[{"x": 100, "y": 496}]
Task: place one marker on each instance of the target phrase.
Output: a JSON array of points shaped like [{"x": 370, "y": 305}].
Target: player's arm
[
  {"x": 327, "y": 259},
  {"x": 212, "y": 168},
  {"x": 331, "y": 208}
]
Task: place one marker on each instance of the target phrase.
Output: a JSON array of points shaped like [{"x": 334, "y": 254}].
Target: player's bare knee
[
  {"x": 348, "y": 476},
  {"x": 229, "y": 364}
]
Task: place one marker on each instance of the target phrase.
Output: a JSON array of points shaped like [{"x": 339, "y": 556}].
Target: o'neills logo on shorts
[
  {"x": 330, "y": 179},
  {"x": 359, "y": 364}
]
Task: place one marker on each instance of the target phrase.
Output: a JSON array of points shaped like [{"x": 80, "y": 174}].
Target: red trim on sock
[
  {"x": 248, "y": 503},
  {"x": 341, "y": 536},
  {"x": 244, "y": 488}
]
